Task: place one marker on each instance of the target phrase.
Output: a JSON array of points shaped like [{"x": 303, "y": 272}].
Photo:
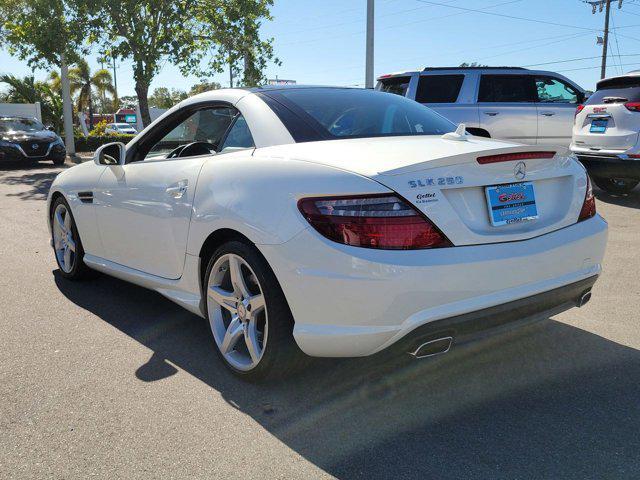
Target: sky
[{"x": 323, "y": 42}]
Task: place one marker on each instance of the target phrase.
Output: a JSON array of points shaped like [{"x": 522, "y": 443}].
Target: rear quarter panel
[{"x": 257, "y": 195}]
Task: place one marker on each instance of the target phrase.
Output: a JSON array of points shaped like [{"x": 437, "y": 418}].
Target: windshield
[
  {"x": 20, "y": 125},
  {"x": 123, "y": 125},
  {"x": 356, "y": 113}
]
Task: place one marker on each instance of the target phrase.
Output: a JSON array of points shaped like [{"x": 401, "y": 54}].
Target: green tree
[
  {"x": 27, "y": 90},
  {"x": 85, "y": 85},
  {"x": 162, "y": 97},
  {"x": 45, "y": 33},
  {"x": 203, "y": 86},
  {"x": 182, "y": 32}
]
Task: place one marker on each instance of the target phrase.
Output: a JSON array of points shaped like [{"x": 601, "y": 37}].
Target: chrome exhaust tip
[
  {"x": 584, "y": 298},
  {"x": 437, "y": 346}
]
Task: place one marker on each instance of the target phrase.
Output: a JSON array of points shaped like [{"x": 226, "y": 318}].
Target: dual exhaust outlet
[{"x": 441, "y": 345}]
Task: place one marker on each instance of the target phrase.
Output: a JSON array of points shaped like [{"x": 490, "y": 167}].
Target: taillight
[
  {"x": 633, "y": 106},
  {"x": 579, "y": 108},
  {"x": 589, "y": 204},
  {"x": 509, "y": 157},
  {"x": 372, "y": 221}
]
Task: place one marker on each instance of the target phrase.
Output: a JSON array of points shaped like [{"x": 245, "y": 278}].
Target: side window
[
  {"x": 397, "y": 85},
  {"x": 199, "y": 134},
  {"x": 439, "y": 88},
  {"x": 553, "y": 90},
  {"x": 506, "y": 88},
  {"x": 239, "y": 136}
]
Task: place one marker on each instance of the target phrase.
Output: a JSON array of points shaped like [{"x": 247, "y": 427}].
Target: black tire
[
  {"x": 79, "y": 271},
  {"x": 282, "y": 356},
  {"x": 618, "y": 186},
  {"x": 58, "y": 161}
]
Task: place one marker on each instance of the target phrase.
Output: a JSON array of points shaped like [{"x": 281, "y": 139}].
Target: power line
[
  {"x": 594, "y": 67},
  {"x": 513, "y": 17},
  {"x": 399, "y": 25},
  {"x": 569, "y": 60}
]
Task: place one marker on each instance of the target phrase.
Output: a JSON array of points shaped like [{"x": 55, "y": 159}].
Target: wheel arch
[
  {"x": 213, "y": 241},
  {"x": 52, "y": 200}
]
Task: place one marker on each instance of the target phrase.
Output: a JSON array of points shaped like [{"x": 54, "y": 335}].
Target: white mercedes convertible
[{"x": 331, "y": 222}]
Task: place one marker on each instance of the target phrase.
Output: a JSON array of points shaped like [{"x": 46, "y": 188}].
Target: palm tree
[
  {"x": 27, "y": 90},
  {"x": 84, "y": 84}
]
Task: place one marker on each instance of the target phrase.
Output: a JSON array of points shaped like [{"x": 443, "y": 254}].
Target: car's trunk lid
[{"x": 444, "y": 179}]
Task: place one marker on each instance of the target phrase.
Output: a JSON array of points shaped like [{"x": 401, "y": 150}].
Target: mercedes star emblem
[{"x": 520, "y": 170}]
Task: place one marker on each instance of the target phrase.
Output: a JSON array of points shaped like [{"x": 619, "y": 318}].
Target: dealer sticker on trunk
[{"x": 512, "y": 203}]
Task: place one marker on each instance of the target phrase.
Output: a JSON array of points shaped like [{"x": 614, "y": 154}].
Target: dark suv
[{"x": 27, "y": 139}]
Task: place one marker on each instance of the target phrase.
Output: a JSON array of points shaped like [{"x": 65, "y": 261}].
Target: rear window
[
  {"x": 355, "y": 113},
  {"x": 439, "y": 88},
  {"x": 506, "y": 88},
  {"x": 397, "y": 85},
  {"x": 616, "y": 90}
]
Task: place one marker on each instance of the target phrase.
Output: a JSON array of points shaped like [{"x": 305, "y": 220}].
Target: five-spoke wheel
[
  {"x": 66, "y": 241},
  {"x": 249, "y": 316},
  {"x": 63, "y": 242},
  {"x": 237, "y": 312}
]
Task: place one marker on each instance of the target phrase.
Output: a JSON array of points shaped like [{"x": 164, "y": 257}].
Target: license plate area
[
  {"x": 599, "y": 125},
  {"x": 511, "y": 203}
]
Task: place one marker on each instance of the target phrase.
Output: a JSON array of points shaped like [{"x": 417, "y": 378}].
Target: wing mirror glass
[{"x": 110, "y": 154}]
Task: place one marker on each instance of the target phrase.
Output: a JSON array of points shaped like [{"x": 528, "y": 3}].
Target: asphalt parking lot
[{"x": 108, "y": 380}]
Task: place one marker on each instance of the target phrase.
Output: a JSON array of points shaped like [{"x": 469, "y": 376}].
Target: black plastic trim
[{"x": 474, "y": 325}]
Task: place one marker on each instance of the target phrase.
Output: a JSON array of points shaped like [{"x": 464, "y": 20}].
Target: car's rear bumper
[
  {"x": 349, "y": 301},
  {"x": 611, "y": 165},
  {"x": 470, "y": 326}
]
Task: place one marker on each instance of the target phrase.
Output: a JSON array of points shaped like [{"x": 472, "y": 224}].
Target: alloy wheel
[
  {"x": 63, "y": 242},
  {"x": 237, "y": 312}
]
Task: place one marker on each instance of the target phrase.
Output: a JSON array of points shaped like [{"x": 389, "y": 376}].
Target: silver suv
[
  {"x": 605, "y": 133},
  {"x": 526, "y": 106}
]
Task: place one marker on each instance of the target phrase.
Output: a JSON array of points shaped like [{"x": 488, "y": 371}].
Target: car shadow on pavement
[
  {"x": 631, "y": 200},
  {"x": 546, "y": 401}
]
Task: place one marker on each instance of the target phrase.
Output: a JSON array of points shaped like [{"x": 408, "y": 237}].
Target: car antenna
[{"x": 459, "y": 135}]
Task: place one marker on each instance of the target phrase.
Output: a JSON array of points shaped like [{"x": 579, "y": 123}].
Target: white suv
[
  {"x": 511, "y": 103},
  {"x": 605, "y": 133}
]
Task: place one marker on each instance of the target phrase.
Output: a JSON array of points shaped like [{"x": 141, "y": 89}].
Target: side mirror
[{"x": 110, "y": 154}]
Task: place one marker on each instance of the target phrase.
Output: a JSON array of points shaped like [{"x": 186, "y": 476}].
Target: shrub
[
  {"x": 98, "y": 129},
  {"x": 93, "y": 142}
]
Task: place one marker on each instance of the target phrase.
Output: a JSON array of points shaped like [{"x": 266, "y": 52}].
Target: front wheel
[
  {"x": 66, "y": 242},
  {"x": 617, "y": 186},
  {"x": 58, "y": 161},
  {"x": 250, "y": 319}
]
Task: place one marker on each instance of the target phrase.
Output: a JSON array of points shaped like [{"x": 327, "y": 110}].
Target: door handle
[
  {"x": 547, "y": 114},
  {"x": 491, "y": 114},
  {"x": 178, "y": 190}
]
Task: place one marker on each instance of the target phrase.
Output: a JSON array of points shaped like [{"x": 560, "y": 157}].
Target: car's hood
[
  {"x": 395, "y": 155},
  {"x": 18, "y": 136}
]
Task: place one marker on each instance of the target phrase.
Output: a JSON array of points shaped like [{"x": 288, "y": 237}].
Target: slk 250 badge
[{"x": 428, "y": 182}]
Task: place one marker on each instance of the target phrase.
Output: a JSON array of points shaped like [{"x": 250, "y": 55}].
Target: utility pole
[
  {"x": 599, "y": 5},
  {"x": 603, "y": 69},
  {"x": 368, "y": 81}
]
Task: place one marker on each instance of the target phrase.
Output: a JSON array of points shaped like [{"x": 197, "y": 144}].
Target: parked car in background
[
  {"x": 605, "y": 133},
  {"x": 511, "y": 103},
  {"x": 120, "y": 129},
  {"x": 23, "y": 138},
  {"x": 331, "y": 221}
]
